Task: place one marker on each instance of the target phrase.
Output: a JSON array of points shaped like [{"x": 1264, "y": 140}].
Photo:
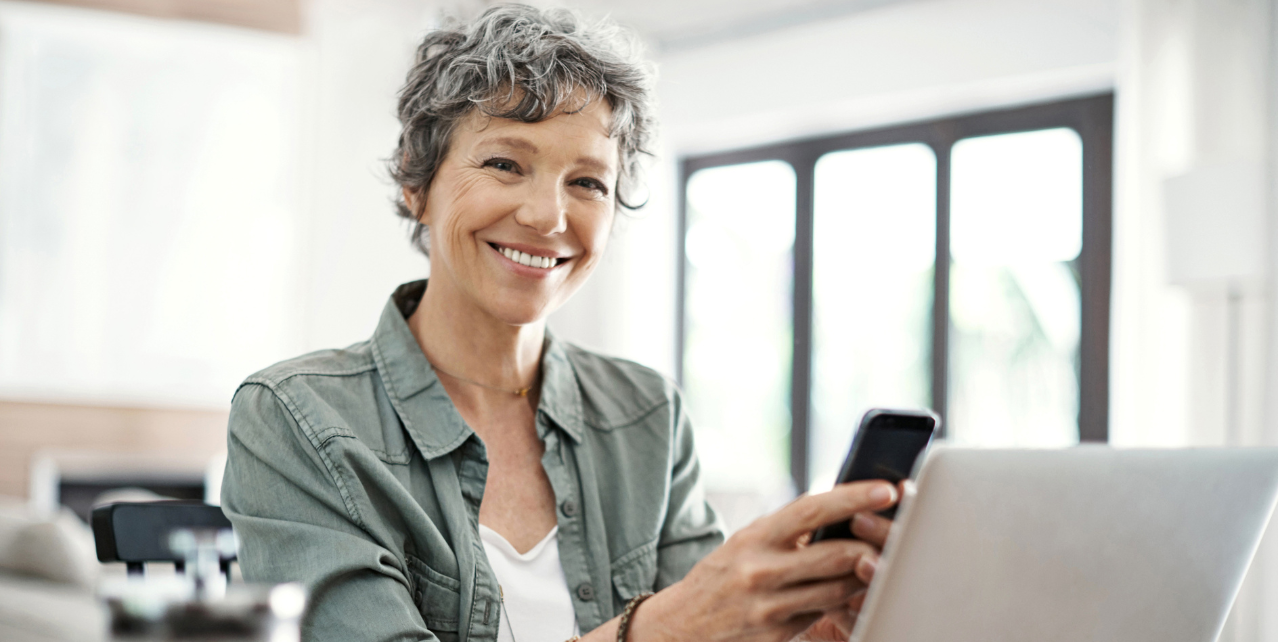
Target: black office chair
[{"x": 139, "y": 532}]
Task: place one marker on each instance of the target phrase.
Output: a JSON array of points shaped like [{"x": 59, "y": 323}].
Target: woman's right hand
[{"x": 766, "y": 584}]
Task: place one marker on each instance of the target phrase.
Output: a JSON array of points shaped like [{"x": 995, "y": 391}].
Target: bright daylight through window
[
  {"x": 873, "y": 254},
  {"x": 739, "y": 244},
  {"x": 1016, "y": 227}
]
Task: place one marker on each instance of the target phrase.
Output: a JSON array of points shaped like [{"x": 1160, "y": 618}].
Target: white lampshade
[{"x": 1216, "y": 233}]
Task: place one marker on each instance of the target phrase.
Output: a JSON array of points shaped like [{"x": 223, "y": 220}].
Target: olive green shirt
[{"x": 352, "y": 472}]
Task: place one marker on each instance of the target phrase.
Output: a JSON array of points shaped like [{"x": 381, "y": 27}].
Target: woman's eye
[
  {"x": 592, "y": 184},
  {"x": 502, "y": 165}
]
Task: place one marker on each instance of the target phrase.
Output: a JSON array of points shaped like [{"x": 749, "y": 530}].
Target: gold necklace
[
  {"x": 521, "y": 392},
  {"x": 504, "y": 613}
]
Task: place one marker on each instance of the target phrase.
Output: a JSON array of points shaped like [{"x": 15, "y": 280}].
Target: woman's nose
[{"x": 546, "y": 210}]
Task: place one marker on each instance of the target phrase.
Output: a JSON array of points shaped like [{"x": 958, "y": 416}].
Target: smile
[{"x": 530, "y": 260}]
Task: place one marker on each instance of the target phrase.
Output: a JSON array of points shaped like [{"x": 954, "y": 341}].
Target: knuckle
[
  {"x": 754, "y": 616},
  {"x": 847, "y": 558},
  {"x": 808, "y": 512},
  {"x": 768, "y": 615},
  {"x": 753, "y": 575}
]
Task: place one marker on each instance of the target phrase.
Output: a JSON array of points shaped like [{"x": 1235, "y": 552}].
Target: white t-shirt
[{"x": 538, "y": 606}]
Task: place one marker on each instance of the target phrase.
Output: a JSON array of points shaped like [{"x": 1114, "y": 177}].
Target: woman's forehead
[{"x": 586, "y": 130}]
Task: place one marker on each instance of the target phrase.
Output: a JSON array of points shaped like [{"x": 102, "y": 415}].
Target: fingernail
[
  {"x": 866, "y": 567},
  {"x": 882, "y": 493},
  {"x": 862, "y": 522}
]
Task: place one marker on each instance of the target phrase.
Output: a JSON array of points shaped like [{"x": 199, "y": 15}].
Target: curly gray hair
[{"x": 521, "y": 63}]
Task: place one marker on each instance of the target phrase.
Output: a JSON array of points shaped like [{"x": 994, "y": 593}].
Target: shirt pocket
[
  {"x": 438, "y": 598},
  {"x": 634, "y": 573}
]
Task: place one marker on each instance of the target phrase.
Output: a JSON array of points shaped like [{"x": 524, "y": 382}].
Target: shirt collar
[
  {"x": 560, "y": 392},
  {"x": 420, "y": 400}
]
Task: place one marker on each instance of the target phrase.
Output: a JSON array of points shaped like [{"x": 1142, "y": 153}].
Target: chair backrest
[{"x": 138, "y": 532}]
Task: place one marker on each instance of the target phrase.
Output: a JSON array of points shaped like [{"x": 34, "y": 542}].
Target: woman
[{"x": 463, "y": 475}]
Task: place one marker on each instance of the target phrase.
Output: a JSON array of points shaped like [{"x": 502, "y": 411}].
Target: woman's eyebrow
[
  {"x": 594, "y": 164},
  {"x": 513, "y": 142}
]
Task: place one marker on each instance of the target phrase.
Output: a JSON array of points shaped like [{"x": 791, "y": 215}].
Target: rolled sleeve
[{"x": 296, "y": 523}]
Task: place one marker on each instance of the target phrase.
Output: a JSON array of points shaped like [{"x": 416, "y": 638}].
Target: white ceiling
[{"x": 684, "y": 24}]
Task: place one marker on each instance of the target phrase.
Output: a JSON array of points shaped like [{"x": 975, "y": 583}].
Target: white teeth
[{"x": 543, "y": 262}]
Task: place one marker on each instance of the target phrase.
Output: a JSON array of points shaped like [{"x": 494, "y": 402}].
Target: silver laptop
[{"x": 1089, "y": 543}]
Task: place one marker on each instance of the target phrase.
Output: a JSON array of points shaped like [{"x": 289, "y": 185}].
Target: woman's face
[{"x": 520, "y": 213}]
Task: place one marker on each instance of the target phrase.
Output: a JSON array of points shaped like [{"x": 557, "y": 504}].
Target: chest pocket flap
[
  {"x": 436, "y": 595},
  {"x": 634, "y": 573}
]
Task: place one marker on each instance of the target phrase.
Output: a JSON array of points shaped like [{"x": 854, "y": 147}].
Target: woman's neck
[{"x": 467, "y": 344}]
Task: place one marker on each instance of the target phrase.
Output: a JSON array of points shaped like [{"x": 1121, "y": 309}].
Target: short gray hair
[{"x": 526, "y": 64}]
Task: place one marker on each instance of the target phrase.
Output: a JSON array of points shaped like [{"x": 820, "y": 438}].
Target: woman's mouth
[{"x": 529, "y": 260}]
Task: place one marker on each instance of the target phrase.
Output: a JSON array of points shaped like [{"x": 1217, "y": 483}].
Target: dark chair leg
[
  {"x": 180, "y": 567},
  {"x": 134, "y": 569}
]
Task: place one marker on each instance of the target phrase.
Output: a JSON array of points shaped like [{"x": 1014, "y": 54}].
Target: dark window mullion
[
  {"x": 801, "y": 373},
  {"x": 681, "y": 273},
  {"x": 1095, "y": 269},
  {"x": 941, "y": 284}
]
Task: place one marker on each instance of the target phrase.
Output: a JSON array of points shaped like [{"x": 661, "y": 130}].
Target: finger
[
  {"x": 796, "y": 625},
  {"x": 866, "y": 566},
  {"x": 857, "y": 601},
  {"x": 812, "y": 511},
  {"x": 843, "y": 621},
  {"x": 826, "y": 560},
  {"x": 814, "y": 597},
  {"x": 871, "y": 528}
]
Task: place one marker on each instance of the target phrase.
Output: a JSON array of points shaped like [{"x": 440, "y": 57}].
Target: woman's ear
[{"x": 411, "y": 200}]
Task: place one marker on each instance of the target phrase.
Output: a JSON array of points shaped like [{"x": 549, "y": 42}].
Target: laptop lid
[{"x": 1088, "y": 543}]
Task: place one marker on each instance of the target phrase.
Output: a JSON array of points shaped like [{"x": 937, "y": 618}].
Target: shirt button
[
  {"x": 585, "y": 592},
  {"x": 569, "y": 507},
  {"x": 417, "y": 597}
]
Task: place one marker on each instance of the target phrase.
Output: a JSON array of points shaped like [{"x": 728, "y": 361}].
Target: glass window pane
[
  {"x": 1016, "y": 221},
  {"x": 736, "y": 360},
  {"x": 874, "y": 253}
]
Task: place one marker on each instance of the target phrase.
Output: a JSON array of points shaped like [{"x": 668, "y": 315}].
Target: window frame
[{"x": 1092, "y": 117}]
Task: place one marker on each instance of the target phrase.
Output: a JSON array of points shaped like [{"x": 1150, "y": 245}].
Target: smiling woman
[
  {"x": 519, "y": 213},
  {"x": 463, "y": 475}
]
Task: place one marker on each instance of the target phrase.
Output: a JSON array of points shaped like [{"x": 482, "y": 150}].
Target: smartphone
[{"x": 886, "y": 446}]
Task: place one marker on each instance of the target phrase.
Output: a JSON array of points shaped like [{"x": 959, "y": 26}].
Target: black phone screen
[{"x": 885, "y": 447}]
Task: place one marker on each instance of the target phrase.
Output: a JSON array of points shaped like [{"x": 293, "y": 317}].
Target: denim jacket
[{"x": 352, "y": 472}]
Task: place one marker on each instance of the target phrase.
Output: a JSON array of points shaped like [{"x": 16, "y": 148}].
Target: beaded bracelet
[{"x": 624, "y": 627}]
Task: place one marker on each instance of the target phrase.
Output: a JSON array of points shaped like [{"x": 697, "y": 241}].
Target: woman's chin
[{"x": 521, "y": 312}]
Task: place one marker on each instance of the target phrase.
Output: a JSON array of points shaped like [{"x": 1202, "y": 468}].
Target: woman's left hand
[{"x": 836, "y": 625}]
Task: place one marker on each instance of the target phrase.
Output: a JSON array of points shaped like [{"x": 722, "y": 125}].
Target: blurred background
[{"x": 1050, "y": 220}]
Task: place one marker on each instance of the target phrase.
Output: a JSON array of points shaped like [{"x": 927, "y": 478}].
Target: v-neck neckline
[{"x": 493, "y": 537}]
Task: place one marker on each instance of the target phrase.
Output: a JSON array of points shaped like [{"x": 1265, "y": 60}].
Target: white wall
[
  {"x": 904, "y": 61},
  {"x": 1195, "y": 78},
  {"x": 357, "y": 250}
]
